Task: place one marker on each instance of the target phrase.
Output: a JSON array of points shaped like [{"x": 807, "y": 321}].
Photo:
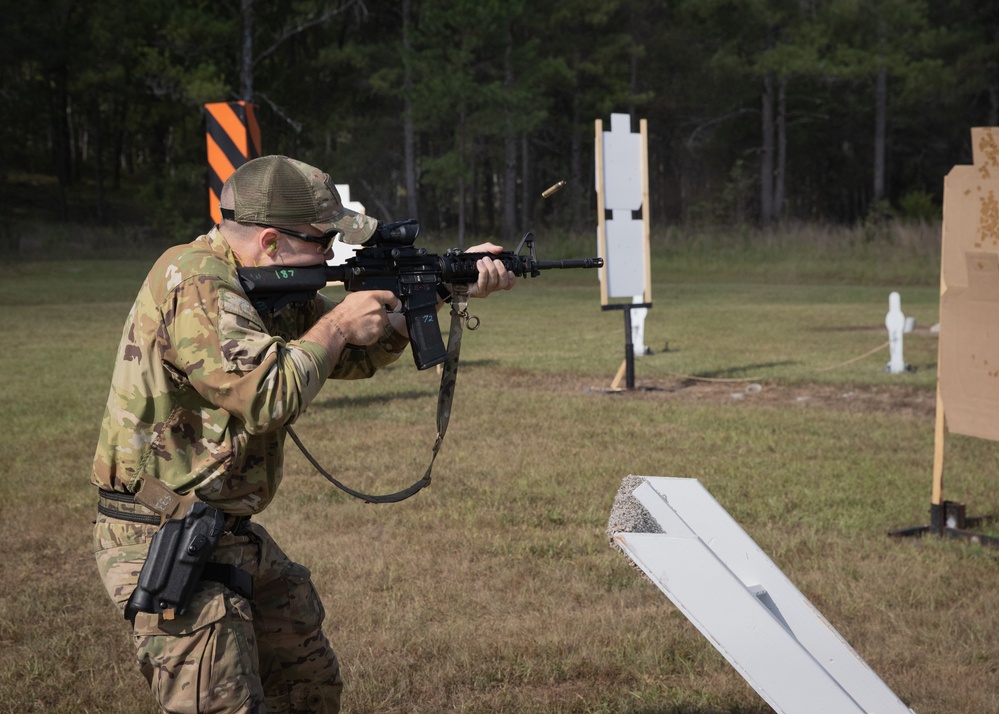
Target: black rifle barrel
[
  {"x": 460, "y": 267},
  {"x": 570, "y": 263}
]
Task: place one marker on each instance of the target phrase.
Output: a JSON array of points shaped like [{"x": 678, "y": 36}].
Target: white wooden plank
[{"x": 734, "y": 576}]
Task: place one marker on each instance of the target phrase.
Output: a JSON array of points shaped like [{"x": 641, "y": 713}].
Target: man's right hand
[{"x": 363, "y": 315}]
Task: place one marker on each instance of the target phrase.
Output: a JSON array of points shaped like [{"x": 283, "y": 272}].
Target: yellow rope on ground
[
  {"x": 716, "y": 379},
  {"x": 855, "y": 359}
]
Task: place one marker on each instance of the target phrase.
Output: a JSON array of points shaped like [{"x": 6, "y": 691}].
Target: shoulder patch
[
  {"x": 237, "y": 305},
  {"x": 242, "y": 336}
]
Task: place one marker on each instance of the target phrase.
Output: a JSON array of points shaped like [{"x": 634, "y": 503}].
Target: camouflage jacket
[{"x": 203, "y": 386}]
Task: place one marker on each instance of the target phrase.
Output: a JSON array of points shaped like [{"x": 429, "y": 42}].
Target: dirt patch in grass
[{"x": 901, "y": 399}]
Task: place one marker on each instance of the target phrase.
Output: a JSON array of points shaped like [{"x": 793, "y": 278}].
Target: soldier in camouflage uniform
[{"x": 202, "y": 389}]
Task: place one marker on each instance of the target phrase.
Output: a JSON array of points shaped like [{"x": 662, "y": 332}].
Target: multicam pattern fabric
[
  {"x": 203, "y": 385},
  {"x": 227, "y": 653},
  {"x": 203, "y": 388}
]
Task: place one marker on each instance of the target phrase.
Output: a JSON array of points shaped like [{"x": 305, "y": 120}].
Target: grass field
[{"x": 495, "y": 590}]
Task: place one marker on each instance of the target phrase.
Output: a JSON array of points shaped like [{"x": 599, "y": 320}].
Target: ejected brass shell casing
[{"x": 552, "y": 189}]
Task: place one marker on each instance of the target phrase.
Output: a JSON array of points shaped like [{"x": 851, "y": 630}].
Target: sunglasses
[{"x": 325, "y": 240}]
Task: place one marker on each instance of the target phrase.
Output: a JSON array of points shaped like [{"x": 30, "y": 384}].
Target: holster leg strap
[{"x": 236, "y": 579}]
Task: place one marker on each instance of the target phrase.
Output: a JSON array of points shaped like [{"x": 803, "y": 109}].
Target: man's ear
[{"x": 268, "y": 241}]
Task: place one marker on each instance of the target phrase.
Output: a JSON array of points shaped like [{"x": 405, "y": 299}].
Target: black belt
[
  {"x": 115, "y": 504},
  {"x": 123, "y": 506}
]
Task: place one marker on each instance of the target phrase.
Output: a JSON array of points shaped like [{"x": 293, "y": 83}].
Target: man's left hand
[{"x": 493, "y": 275}]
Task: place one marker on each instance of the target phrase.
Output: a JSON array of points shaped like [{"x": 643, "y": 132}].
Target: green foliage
[
  {"x": 918, "y": 205},
  {"x": 502, "y": 99},
  {"x": 877, "y": 222}
]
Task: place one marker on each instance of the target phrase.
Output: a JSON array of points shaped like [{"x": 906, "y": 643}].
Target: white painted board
[
  {"x": 735, "y": 595},
  {"x": 622, "y": 191},
  {"x": 622, "y": 177},
  {"x": 626, "y": 255}
]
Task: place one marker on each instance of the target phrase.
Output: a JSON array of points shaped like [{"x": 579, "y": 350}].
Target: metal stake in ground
[{"x": 628, "y": 366}]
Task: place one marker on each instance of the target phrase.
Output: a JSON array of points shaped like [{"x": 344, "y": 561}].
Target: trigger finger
[{"x": 392, "y": 303}]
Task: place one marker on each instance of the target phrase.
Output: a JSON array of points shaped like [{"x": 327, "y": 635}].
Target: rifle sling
[{"x": 449, "y": 377}]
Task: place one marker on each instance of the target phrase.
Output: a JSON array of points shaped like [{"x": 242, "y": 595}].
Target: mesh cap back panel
[{"x": 274, "y": 192}]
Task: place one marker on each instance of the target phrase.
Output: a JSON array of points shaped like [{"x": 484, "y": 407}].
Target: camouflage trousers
[{"x": 228, "y": 654}]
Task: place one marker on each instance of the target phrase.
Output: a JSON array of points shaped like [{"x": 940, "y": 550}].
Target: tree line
[{"x": 461, "y": 112}]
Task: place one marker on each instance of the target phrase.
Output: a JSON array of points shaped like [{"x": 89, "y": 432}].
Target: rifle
[{"x": 390, "y": 261}]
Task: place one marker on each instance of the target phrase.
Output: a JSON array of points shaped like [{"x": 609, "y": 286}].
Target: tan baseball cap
[{"x": 276, "y": 190}]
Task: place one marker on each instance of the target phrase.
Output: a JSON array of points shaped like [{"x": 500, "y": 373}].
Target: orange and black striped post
[{"x": 233, "y": 138}]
